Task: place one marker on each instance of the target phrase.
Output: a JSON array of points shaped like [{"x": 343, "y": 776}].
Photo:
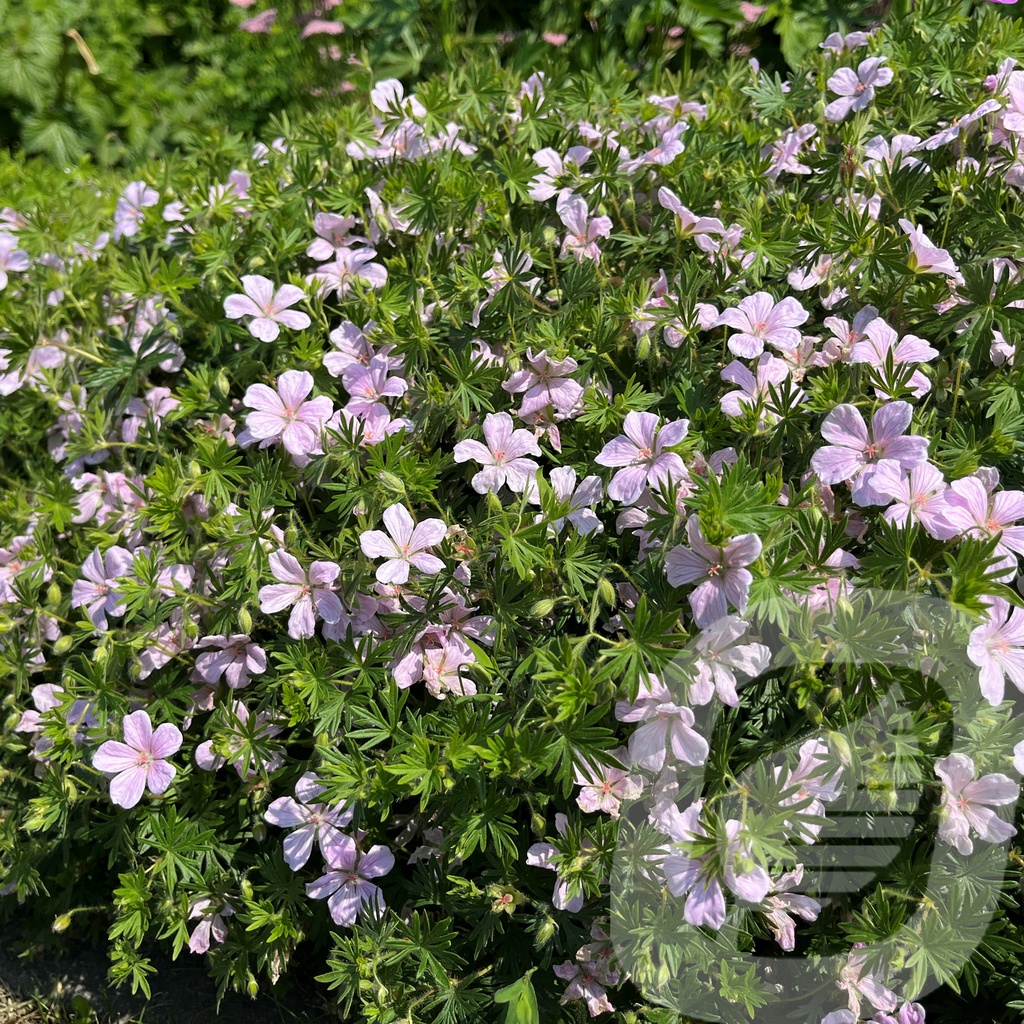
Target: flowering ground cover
[{"x": 488, "y": 546}]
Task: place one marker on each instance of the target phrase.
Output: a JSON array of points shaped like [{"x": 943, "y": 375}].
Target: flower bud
[
  {"x": 643, "y": 346},
  {"x": 244, "y": 620},
  {"x": 541, "y": 608},
  {"x": 252, "y": 986},
  {"x": 545, "y": 930},
  {"x": 606, "y": 592},
  {"x": 392, "y": 482},
  {"x": 222, "y": 384},
  {"x": 62, "y": 923},
  {"x": 63, "y": 645},
  {"x": 53, "y": 594},
  {"x": 246, "y": 889}
]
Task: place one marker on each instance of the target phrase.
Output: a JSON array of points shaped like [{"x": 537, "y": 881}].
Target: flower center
[{"x": 715, "y": 570}]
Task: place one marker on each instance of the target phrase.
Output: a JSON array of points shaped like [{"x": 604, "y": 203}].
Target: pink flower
[
  {"x": 442, "y": 667},
  {"x": 927, "y": 258},
  {"x": 668, "y": 725},
  {"x": 858, "y": 984},
  {"x": 755, "y": 390},
  {"x": 235, "y": 658},
  {"x": 689, "y": 225},
  {"x": 881, "y": 151},
  {"x": 854, "y": 454},
  {"x": 211, "y": 927},
  {"x": 310, "y": 821},
  {"x": 347, "y": 886},
  {"x": 545, "y": 185},
  {"x": 320, "y": 27},
  {"x": 369, "y": 384},
  {"x": 583, "y": 230},
  {"x": 997, "y": 648},
  {"x": 140, "y": 761},
  {"x": 128, "y": 215},
  {"x": 241, "y": 739},
  {"x": 349, "y": 266},
  {"x": 979, "y": 511},
  {"x": 880, "y": 343},
  {"x": 856, "y": 89},
  {"x": 408, "y": 545},
  {"x": 760, "y": 319},
  {"x": 560, "y": 38},
  {"x": 261, "y": 23},
  {"x": 284, "y": 416},
  {"x": 309, "y": 595},
  {"x": 567, "y": 895},
  {"x": 333, "y": 230},
  {"x": 503, "y": 457},
  {"x": 586, "y": 982},
  {"x": 785, "y": 152},
  {"x": 547, "y": 383},
  {"x": 720, "y": 657},
  {"x": 268, "y": 307},
  {"x": 781, "y": 903},
  {"x": 605, "y": 787},
  {"x": 11, "y": 259},
  {"x": 639, "y": 450},
  {"x": 579, "y": 501},
  {"x": 960, "y": 124},
  {"x": 836, "y": 43},
  {"x": 967, "y": 803},
  {"x": 918, "y": 496},
  {"x": 97, "y": 591},
  {"x": 720, "y": 572}
]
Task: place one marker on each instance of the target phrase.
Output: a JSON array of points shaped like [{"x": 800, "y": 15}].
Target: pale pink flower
[
  {"x": 586, "y": 983},
  {"x": 309, "y": 821},
  {"x": 503, "y": 456},
  {"x": 140, "y": 761},
  {"x": 265, "y": 726},
  {"x": 309, "y": 595},
  {"x": 547, "y": 382},
  {"x": 880, "y": 343},
  {"x": 837, "y": 43},
  {"x": 234, "y": 657},
  {"x": 926, "y": 257},
  {"x": 97, "y": 591},
  {"x": 442, "y": 667},
  {"x": 12, "y": 259},
  {"x": 267, "y": 307},
  {"x": 771, "y": 372},
  {"x": 978, "y": 510},
  {"x": 639, "y": 451},
  {"x": 567, "y": 895},
  {"x": 781, "y": 902},
  {"x": 960, "y": 124},
  {"x": 860, "y": 984},
  {"x": 605, "y": 787},
  {"x": 720, "y": 657},
  {"x": 320, "y": 27},
  {"x": 129, "y": 212},
  {"x": 997, "y": 648},
  {"x": 785, "y": 152},
  {"x": 285, "y": 416},
  {"x": 333, "y": 230},
  {"x": 406, "y": 544},
  {"x": 349, "y": 267},
  {"x": 967, "y": 803},
  {"x": 578, "y": 500},
  {"x": 668, "y": 725},
  {"x": 368, "y": 385},
  {"x": 555, "y": 170},
  {"x": 759, "y": 320},
  {"x": 347, "y": 886},
  {"x": 720, "y": 572},
  {"x": 353, "y": 346},
  {"x": 211, "y": 927},
  {"x": 261, "y": 23},
  {"x": 583, "y": 230},
  {"x": 856, "y": 89},
  {"x": 918, "y": 496},
  {"x": 854, "y": 453},
  {"x": 882, "y": 152},
  {"x": 689, "y": 225}
]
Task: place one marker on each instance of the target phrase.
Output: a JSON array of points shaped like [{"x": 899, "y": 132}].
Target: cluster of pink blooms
[{"x": 870, "y": 457}]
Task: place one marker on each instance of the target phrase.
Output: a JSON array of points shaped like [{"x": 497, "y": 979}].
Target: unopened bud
[
  {"x": 259, "y": 831},
  {"x": 244, "y": 620},
  {"x": 53, "y": 594},
  {"x": 493, "y": 503},
  {"x": 246, "y": 889},
  {"x": 541, "y": 608},
  {"x": 392, "y": 482},
  {"x": 606, "y": 592},
  {"x": 545, "y": 930},
  {"x": 62, "y": 923},
  {"x": 252, "y": 986},
  {"x": 643, "y": 346},
  {"x": 63, "y": 645},
  {"x": 222, "y": 384}
]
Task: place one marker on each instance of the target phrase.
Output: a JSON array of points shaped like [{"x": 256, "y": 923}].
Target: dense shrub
[
  {"x": 124, "y": 81},
  {"x": 678, "y": 388}
]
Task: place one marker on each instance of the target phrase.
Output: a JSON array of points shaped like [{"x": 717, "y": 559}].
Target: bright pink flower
[
  {"x": 720, "y": 572},
  {"x": 408, "y": 545},
  {"x": 284, "y": 416},
  {"x": 235, "y": 658},
  {"x": 309, "y": 595},
  {"x": 97, "y": 591},
  {"x": 310, "y": 821},
  {"x": 639, "y": 450},
  {"x": 583, "y": 230},
  {"x": 268, "y": 307},
  {"x": 854, "y": 454},
  {"x": 918, "y": 496},
  {"x": 997, "y": 648},
  {"x": 760, "y": 319},
  {"x": 348, "y": 267},
  {"x": 856, "y": 89},
  {"x": 347, "y": 886},
  {"x": 140, "y": 761},
  {"x": 967, "y": 803},
  {"x": 503, "y": 456}
]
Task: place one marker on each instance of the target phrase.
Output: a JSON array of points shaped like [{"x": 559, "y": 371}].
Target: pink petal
[{"x": 127, "y": 788}]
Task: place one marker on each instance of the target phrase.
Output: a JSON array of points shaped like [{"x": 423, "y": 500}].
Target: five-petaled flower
[
  {"x": 284, "y": 415},
  {"x": 347, "y": 886},
  {"x": 997, "y": 648},
  {"x": 267, "y": 307},
  {"x": 309, "y": 820},
  {"x": 639, "y": 451},
  {"x": 503, "y": 456},
  {"x": 856, "y": 89},
  {"x": 406, "y": 544},
  {"x": 967, "y": 803},
  {"x": 309, "y": 595},
  {"x": 140, "y": 761}
]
